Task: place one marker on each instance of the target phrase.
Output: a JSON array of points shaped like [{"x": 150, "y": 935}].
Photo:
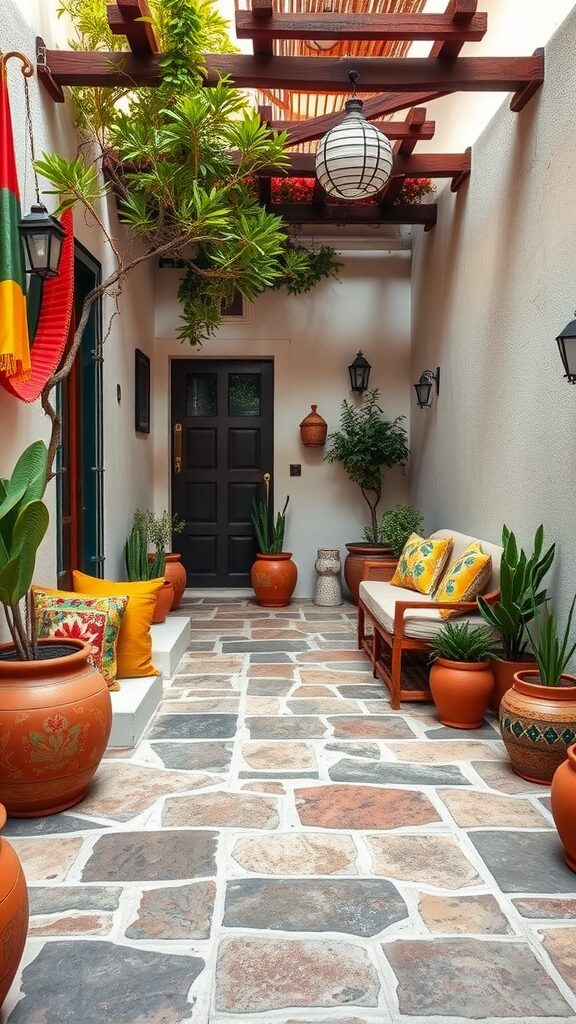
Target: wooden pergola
[{"x": 367, "y": 36}]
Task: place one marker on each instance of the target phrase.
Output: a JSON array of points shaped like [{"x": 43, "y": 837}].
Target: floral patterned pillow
[
  {"x": 422, "y": 563},
  {"x": 467, "y": 577},
  {"x": 95, "y": 621}
]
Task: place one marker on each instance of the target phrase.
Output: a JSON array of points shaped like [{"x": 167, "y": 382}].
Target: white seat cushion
[{"x": 419, "y": 623}]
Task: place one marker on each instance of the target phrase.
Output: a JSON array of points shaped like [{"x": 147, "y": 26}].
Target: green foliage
[
  {"x": 73, "y": 180},
  {"x": 552, "y": 652},
  {"x": 395, "y": 526},
  {"x": 303, "y": 267},
  {"x": 520, "y": 595},
  {"x": 365, "y": 443},
  {"x": 269, "y": 534},
  {"x": 459, "y": 641},
  {"x": 136, "y": 549}
]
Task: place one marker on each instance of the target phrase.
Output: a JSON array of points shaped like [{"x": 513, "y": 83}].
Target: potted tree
[
  {"x": 395, "y": 526},
  {"x": 538, "y": 714},
  {"x": 366, "y": 444},
  {"x": 461, "y": 679},
  {"x": 273, "y": 574},
  {"x": 520, "y": 598},
  {"x": 160, "y": 532},
  {"x": 142, "y": 566}
]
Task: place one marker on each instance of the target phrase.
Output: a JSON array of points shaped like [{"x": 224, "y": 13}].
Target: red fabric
[
  {"x": 8, "y": 177},
  {"x": 53, "y": 324}
]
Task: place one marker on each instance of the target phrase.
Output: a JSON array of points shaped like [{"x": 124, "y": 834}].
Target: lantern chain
[{"x": 31, "y": 137}]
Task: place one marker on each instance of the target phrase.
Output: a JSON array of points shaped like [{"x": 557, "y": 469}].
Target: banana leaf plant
[
  {"x": 24, "y": 520},
  {"x": 520, "y": 594}
]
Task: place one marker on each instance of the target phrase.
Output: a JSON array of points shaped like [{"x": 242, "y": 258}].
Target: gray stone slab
[
  {"x": 525, "y": 861},
  {"x": 286, "y": 727},
  {"x": 264, "y": 646},
  {"x": 185, "y": 727},
  {"x": 278, "y": 775},
  {"x": 324, "y": 617},
  {"x": 201, "y": 645},
  {"x": 59, "y": 899},
  {"x": 444, "y": 732},
  {"x": 177, "y": 912},
  {"x": 387, "y": 773},
  {"x": 189, "y": 757},
  {"x": 269, "y": 687},
  {"x": 90, "y": 982},
  {"x": 152, "y": 856},
  {"x": 53, "y": 824},
  {"x": 357, "y": 906},
  {"x": 364, "y": 692},
  {"x": 270, "y": 659},
  {"x": 355, "y": 749},
  {"x": 351, "y": 666}
]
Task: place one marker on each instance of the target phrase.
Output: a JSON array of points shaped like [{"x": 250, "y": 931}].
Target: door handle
[{"x": 177, "y": 447}]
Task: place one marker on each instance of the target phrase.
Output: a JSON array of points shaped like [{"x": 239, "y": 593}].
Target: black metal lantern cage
[
  {"x": 359, "y": 371},
  {"x": 42, "y": 237},
  {"x": 567, "y": 347}
]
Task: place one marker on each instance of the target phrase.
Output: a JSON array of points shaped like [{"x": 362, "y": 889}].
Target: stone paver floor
[{"x": 283, "y": 848}]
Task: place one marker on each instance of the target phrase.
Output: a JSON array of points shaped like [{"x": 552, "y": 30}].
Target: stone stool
[{"x": 327, "y": 591}]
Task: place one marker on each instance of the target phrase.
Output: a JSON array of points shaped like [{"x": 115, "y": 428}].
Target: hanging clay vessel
[{"x": 313, "y": 429}]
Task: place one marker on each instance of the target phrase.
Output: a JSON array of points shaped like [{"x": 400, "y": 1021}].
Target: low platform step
[{"x": 169, "y": 642}]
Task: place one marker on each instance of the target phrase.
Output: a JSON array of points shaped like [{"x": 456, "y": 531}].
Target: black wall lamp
[
  {"x": 42, "y": 236},
  {"x": 423, "y": 388},
  {"x": 567, "y": 347},
  {"x": 359, "y": 372}
]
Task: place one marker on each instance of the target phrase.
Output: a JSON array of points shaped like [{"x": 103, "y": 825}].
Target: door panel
[{"x": 225, "y": 409}]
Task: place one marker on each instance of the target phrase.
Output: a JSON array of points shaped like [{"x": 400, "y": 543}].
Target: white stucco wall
[
  {"x": 312, "y": 339},
  {"x": 493, "y": 285}
]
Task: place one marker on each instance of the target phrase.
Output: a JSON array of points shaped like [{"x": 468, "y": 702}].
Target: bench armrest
[
  {"x": 460, "y": 606},
  {"x": 379, "y": 569}
]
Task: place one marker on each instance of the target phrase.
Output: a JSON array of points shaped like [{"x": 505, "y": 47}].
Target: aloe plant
[
  {"x": 459, "y": 641},
  {"x": 24, "y": 520},
  {"x": 269, "y": 534},
  {"x": 552, "y": 652}
]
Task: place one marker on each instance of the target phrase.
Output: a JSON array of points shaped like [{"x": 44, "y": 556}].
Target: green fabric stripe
[{"x": 12, "y": 266}]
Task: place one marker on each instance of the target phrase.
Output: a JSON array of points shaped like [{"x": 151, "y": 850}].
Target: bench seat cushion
[{"x": 419, "y": 623}]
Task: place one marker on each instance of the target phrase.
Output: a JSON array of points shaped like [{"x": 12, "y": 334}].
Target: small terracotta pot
[
  {"x": 163, "y": 602},
  {"x": 55, "y": 720},
  {"x": 564, "y": 805},
  {"x": 13, "y": 912},
  {"x": 538, "y": 724},
  {"x": 504, "y": 672},
  {"x": 313, "y": 429},
  {"x": 274, "y": 578},
  {"x": 461, "y": 691},
  {"x": 176, "y": 574},
  {"x": 358, "y": 553}
]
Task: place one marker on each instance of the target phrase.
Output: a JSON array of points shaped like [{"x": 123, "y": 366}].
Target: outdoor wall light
[
  {"x": 424, "y": 387},
  {"x": 359, "y": 372},
  {"x": 42, "y": 237},
  {"x": 567, "y": 346}
]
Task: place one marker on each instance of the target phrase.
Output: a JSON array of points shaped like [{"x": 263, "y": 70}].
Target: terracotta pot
[
  {"x": 564, "y": 805},
  {"x": 274, "y": 578},
  {"x": 461, "y": 691},
  {"x": 504, "y": 672},
  {"x": 313, "y": 429},
  {"x": 55, "y": 720},
  {"x": 358, "y": 553},
  {"x": 176, "y": 574},
  {"x": 163, "y": 602},
  {"x": 13, "y": 912},
  {"x": 538, "y": 724}
]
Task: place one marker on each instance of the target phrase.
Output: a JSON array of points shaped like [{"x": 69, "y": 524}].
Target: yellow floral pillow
[
  {"x": 422, "y": 563},
  {"x": 467, "y": 577}
]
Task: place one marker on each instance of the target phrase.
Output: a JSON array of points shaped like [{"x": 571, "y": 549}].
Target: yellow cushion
[
  {"x": 467, "y": 577},
  {"x": 422, "y": 563},
  {"x": 134, "y": 650}
]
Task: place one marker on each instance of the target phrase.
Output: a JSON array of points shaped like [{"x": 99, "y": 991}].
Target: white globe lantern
[{"x": 354, "y": 159}]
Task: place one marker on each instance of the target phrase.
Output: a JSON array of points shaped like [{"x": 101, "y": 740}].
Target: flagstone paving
[{"x": 283, "y": 848}]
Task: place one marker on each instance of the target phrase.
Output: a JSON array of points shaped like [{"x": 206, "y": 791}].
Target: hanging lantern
[
  {"x": 42, "y": 236},
  {"x": 359, "y": 371},
  {"x": 354, "y": 159},
  {"x": 567, "y": 348}
]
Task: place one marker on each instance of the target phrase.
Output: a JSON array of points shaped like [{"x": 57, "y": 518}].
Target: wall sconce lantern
[
  {"x": 567, "y": 347},
  {"x": 359, "y": 372},
  {"x": 423, "y": 388},
  {"x": 42, "y": 236}
]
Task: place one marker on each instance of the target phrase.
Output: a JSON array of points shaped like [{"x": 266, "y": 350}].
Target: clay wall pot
[
  {"x": 564, "y": 805},
  {"x": 504, "y": 672},
  {"x": 55, "y": 720},
  {"x": 163, "y": 602},
  {"x": 274, "y": 578},
  {"x": 359, "y": 553},
  {"x": 538, "y": 724},
  {"x": 13, "y": 912},
  {"x": 313, "y": 429},
  {"x": 461, "y": 691},
  {"x": 176, "y": 574}
]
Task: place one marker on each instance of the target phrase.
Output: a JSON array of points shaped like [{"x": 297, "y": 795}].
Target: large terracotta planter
[
  {"x": 13, "y": 912},
  {"x": 55, "y": 720},
  {"x": 461, "y": 691},
  {"x": 274, "y": 578},
  {"x": 564, "y": 805},
  {"x": 504, "y": 672},
  {"x": 538, "y": 724},
  {"x": 175, "y": 573},
  {"x": 358, "y": 553},
  {"x": 163, "y": 602}
]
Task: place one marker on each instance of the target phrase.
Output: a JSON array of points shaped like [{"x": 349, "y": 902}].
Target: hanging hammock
[{"x": 53, "y": 323}]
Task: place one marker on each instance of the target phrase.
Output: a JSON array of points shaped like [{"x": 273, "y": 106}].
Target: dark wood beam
[
  {"x": 388, "y": 103},
  {"x": 405, "y": 147},
  {"x": 419, "y": 165},
  {"x": 53, "y": 89},
  {"x": 462, "y": 13},
  {"x": 361, "y": 26},
  {"x": 404, "y": 213},
  {"x": 462, "y": 176},
  {"x": 393, "y": 129},
  {"x": 123, "y": 21},
  {"x": 261, "y": 15},
  {"x": 521, "y": 97},
  {"x": 265, "y": 184}
]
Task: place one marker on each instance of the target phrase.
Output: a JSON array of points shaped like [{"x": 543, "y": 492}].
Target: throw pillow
[
  {"x": 134, "y": 642},
  {"x": 94, "y": 620},
  {"x": 422, "y": 563},
  {"x": 467, "y": 577}
]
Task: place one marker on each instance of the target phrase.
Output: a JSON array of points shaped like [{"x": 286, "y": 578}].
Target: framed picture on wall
[{"x": 142, "y": 392}]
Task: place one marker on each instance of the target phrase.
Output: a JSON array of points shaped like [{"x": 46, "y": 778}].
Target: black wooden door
[{"x": 222, "y": 444}]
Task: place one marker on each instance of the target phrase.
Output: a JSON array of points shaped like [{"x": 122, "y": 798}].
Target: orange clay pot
[
  {"x": 358, "y": 554},
  {"x": 13, "y": 912},
  {"x": 176, "y": 574},
  {"x": 461, "y": 691},
  {"x": 504, "y": 672},
  {"x": 274, "y": 578},
  {"x": 564, "y": 805},
  {"x": 538, "y": 724},
  {"x": 55, "y": 720},
  {"x": 163, "y": 602}
]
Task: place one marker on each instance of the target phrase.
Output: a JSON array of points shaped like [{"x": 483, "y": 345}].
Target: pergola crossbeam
[
  {"x": 393, "y": 129},
  {"x": 419, "y": 165},
  {"x": 123, "y": 19},
  {"x": 350, "y": 27},
  {"x": 401, "y": 213}
]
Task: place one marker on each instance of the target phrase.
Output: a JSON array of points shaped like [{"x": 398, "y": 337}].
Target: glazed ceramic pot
[
  {"x": 538, "y": 724},
  {"x": 313, "y": 429},
  {"x": 504, "y": 672},
  {"x": 13, "y": 912},
  {"x": 274, "y": 578},
  {"x": 55, "y": 720},
  {"x": 176, "y": 574},
  {"x": 163, "y": 602},
  {"x": 461, "y": 691},
  {"x": 354, "y": 564},
  {"x": 564, "y": 805}
]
